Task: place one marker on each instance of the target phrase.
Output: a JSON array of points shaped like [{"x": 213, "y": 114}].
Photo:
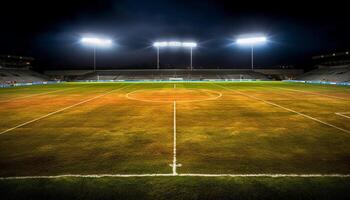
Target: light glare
[
  {"x": 189, "y": 44},
  {"x": 175, "y": 44},
  {"x": 160, "y": 44},
  {"x": 96, "y": 41},
  {"x": 251, "y": 40}
]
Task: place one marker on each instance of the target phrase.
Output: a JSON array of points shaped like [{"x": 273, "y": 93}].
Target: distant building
[{"x": 16, "y": 62}]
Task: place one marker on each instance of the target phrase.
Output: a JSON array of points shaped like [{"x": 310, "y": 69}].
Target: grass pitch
[{"x": 128, "y": 128}]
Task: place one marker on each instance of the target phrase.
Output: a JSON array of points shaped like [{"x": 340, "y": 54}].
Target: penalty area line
[
  {"x": 344, "y": 115},
  {"x": 313, "y": 93},
  {"x": 38, "y": 94},
  {"x": 284, "y": 108},
  {"x": 60, "y": 110}
]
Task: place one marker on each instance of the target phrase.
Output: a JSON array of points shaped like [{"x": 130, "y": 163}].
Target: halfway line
[
  {"x": 170, "y": 175},
  {"x": 174, "y": 165}
]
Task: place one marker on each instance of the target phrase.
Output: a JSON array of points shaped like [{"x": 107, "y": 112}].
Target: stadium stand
[
  {"x": 170, "y": 74},
  {"x": 333, "y": 67},
  {"x": 20, "y": 76},
  {"x": 328, "y": 74},
  {"x": 17, "y": 69}
]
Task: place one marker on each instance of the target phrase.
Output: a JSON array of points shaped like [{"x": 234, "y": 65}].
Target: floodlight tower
[
  {"x": 96, "y": 42},
  {"x": 174, "y": 44},
  {"x": 190, "y": 45},
  {"x": 251, "y": 41},
  {"x": 157, "y": 58},
  {"x": 158, "y": 45}
]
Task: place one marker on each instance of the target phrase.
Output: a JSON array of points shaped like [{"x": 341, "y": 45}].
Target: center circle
[{"x": 170, "y": 95}]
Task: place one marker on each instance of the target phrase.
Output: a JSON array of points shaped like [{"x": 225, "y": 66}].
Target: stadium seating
[
  {"x": 20, "y": 76},
  {"x": 331, "y": 74},
  {"x": 161, "y": 75},
  {"x": 169, "y": 74}
]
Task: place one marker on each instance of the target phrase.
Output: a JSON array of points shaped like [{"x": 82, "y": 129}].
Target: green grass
[{"x": 233, "y": 134}]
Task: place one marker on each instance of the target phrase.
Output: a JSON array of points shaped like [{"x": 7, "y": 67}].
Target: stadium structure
[
  {"x": 327, "y": 68},
  {"x": 174, "y": 100},
  {"x": 333, "y": 67},
  {"x": 175, "y": 74}
]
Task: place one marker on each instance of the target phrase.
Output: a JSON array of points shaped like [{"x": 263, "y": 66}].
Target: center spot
[{"x": 170, "y": 95}]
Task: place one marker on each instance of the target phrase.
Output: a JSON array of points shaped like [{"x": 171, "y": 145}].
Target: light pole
[
  {"x": 251, "y": 41},
  {"x": 158, "y": 45},
  {"x": 252, "y": 57},
  {"x": 157, "y": 58},
  {"x": 190, "y": 45},
  {"x": 191, "y": 59},
  {"x": 96, "y": 42},
  {"x": 94, "y": 58}
]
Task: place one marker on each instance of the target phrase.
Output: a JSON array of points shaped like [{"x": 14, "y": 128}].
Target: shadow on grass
[{"x": 169, "y": 188}]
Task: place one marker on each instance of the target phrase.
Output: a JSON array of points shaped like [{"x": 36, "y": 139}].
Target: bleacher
[
  {"x": 169, "y": 74},
  {"x": 328, "y": 74},
  {"x": 20, "y": 76},
  {"x": 162, "y": 75}
]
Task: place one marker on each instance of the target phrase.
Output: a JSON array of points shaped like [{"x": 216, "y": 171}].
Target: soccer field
[{"x": 201, "y": 129}]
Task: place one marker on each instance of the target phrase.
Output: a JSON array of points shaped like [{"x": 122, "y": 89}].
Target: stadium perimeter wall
[
  {"x": 28, "y": 84},
  {"x": 319, "y": 82}
]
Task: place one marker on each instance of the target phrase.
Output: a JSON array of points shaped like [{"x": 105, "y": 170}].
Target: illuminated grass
[{"x": 231, "y": 134}]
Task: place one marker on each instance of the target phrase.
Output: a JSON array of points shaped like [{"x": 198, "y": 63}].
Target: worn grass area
[
  {"x": 127, "y": 128},
  {"x": 232, "y": 133},
  {"x": 174, "y": 188},
  {"x": 239, "y": 134},
  {"x": 110, "y": 134}
]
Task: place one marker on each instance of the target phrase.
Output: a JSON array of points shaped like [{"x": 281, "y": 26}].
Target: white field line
[
  {"x": 82, "y": 176},
  {"x": 129, "y": 96},
  {"x": 314, "y": 93},
  {"x": 267, "y": 175},
  {"x": 288, "y": 109},
  {"x": 170, "y": 175},
  {"x": 60, "y": 110},
  {"x": 174, "y": 165},
  {"x": 174, "y": 85},
  {"x": 33, "y": 95},
  {"x": 205, "y": 91},
  {"x": 343, "y": 115}
]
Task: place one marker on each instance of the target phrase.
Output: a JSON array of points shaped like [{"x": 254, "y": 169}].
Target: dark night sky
[{"x": 50, "y": 31}]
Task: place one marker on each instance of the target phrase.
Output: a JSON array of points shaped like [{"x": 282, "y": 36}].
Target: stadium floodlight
[
  {"x": 160, "y": 44},
  {"x": 96, "y": 42},
  {"x": 174, "y": 44},
  {"x": 189, "y": 44},
  {"x": 251, "y": 41}
]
